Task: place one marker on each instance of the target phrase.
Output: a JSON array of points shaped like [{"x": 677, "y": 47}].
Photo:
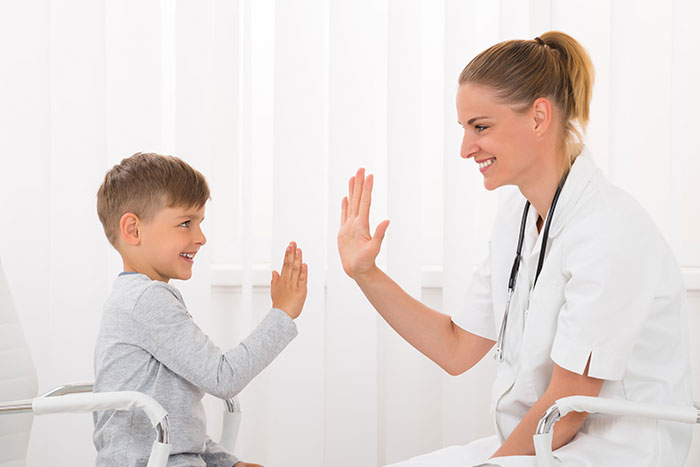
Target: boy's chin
[{"x": 184, "y": 276}]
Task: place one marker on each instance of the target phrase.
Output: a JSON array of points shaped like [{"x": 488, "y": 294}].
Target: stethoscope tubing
[{"x": 512, "y": 280}]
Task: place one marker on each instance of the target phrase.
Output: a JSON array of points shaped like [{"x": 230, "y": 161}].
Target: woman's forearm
[
  {"x": 429, "y": 331},
  {"x": 562, "y": 384},
  {"x": 520, "y": 442}
]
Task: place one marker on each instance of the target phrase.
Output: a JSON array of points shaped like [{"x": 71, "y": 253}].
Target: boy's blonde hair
[{"x": 144, "y": 184}]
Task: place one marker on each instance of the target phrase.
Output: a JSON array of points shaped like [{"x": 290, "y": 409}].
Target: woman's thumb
[{"x": 380, "y": 231}]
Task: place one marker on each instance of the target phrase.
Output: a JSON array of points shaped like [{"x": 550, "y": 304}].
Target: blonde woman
[{"x": 579, "y": 294}]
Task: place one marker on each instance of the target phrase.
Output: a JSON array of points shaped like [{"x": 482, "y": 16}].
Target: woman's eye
[{"x": 480, "y": 128}]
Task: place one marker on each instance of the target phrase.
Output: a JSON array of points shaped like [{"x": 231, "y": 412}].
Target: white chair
[
  {"x": 614, "y": 407},
  {"x": 19, "y": 404}
]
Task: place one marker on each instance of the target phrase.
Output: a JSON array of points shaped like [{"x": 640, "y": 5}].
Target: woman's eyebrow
[{"x": 472, "y": 120}]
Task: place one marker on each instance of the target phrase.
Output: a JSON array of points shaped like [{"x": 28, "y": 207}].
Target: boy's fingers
[
  {"x": 297, "y": 264},
  {"x": 366, "y": 199},
  {"x": 288, "y": 260},
  {"x": 303, "y": 274},
  {"x": 357, "y": 192}
]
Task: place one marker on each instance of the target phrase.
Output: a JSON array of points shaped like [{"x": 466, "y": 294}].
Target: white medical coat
[{"x": 610, "y": 290}]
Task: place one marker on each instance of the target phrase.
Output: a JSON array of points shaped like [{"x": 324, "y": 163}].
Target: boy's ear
[{"x": 129, "y": 228}]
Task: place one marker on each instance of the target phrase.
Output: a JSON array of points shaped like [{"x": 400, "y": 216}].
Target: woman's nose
[{"x": 468, "y": 148}]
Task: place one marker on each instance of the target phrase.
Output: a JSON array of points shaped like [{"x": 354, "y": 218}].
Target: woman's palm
[{"x": 358, "y": 249}]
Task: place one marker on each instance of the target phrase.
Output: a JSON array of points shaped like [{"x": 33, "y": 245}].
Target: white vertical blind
[
  {"x": 279, "y": 103},
  {"x": 404, "y": 427},
  {"x": 354, "y": 72},
  {"x": 299, "y": 205},
  {"x": 641, "y": 68},
  {"x": 76, "y": 100},
  {"x": 685, "y": 99}
]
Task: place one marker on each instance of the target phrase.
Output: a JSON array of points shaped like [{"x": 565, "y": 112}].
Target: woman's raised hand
[{"x": 358, "y": 249}]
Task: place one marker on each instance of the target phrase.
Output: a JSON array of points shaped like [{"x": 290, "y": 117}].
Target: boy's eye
[{"x": 185, "y": 224}]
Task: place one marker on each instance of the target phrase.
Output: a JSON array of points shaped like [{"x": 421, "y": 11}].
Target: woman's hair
[
  {"x": 553, "y": 65},
  {"x": 144, "y": 184}
]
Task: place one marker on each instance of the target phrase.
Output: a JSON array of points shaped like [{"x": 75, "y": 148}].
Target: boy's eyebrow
[{"x": 192, "y": 215}]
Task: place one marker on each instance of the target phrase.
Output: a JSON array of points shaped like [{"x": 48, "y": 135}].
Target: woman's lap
[{"x": 474, "y": 454}]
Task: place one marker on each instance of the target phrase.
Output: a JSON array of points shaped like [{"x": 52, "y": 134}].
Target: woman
[{"x": 594, "y": 299}]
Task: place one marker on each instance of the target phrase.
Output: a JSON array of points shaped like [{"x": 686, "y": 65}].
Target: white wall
[{"x": 278, "y": 103}]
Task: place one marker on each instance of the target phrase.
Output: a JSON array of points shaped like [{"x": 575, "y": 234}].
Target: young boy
[{"x": 151, "y": 208}]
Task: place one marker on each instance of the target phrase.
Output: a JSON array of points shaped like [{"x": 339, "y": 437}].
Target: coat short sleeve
[
  {"x": 612, "y": 263},
  {"x": 476, "y": 315}
]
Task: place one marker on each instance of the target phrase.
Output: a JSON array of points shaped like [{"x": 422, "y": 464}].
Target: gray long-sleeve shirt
[{"x": 148, "y": 342}]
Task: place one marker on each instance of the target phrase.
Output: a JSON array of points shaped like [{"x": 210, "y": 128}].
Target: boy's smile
[{"x": 167, "y": 244}]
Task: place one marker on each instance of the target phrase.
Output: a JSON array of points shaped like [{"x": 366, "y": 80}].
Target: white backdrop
[{"x": 278, "y": 103}]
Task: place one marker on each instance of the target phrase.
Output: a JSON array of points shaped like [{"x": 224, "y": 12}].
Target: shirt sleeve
[
  {"x": 166, "y": 330},
  {"x": 215, "y": 455},
  {"x": 476, "y": 315},
  {"x": 612, "y": 266}
]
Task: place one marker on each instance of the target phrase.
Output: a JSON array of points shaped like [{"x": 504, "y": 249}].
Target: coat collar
[{"x": 580, "y": 175}]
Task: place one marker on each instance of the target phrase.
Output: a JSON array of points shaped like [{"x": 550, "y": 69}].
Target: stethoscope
[{"x": 516, "y": 264}]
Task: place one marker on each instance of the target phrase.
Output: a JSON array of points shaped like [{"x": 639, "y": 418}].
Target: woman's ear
[
  {"x": 542, "y": 113},
  {"x": 129, "y": 226}
]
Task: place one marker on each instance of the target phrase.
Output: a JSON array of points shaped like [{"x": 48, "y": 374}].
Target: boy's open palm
[
  {"x": 358, "y": 249},
  {"x": 288, "y": 288}
]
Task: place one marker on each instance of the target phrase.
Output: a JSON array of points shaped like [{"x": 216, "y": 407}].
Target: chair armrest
[
  {"x": 89, "y": 402},
  {"x": 543, "y": 435},
  {"x": 231, "y": 423},
  {"x": 74, "y": 388}
]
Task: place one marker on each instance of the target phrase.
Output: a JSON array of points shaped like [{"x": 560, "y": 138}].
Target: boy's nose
[{"x": 202, "y": 238}]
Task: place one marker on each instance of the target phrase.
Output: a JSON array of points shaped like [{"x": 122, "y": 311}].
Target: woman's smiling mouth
[{"x": 483, "y": 165}]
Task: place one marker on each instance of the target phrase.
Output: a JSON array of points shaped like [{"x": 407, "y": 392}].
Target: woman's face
[{"x": 501, "y": 141}]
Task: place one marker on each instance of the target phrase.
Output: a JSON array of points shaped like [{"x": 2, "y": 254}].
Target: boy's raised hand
[
  {"x": 288, "y": 288},
  {"x": 357, "y": 247}
]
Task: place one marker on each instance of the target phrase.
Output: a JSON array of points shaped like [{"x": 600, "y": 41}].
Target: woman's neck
[{"x": 540, "y": 189}]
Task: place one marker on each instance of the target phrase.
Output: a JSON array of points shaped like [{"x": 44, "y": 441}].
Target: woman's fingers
[
  {"x": 366, "y": 199},
  {"x": 379, "y": 232},
  {"x": 351, "y": 188},
  {"x": 357, "y": 192},
  {"x": 343, "y": 211}
]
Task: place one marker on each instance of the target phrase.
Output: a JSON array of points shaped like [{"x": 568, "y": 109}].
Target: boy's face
[{"x": 169, "y": 243}]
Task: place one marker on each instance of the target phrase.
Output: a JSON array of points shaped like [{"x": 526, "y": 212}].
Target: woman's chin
[{"x": 491, "y": 184}]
